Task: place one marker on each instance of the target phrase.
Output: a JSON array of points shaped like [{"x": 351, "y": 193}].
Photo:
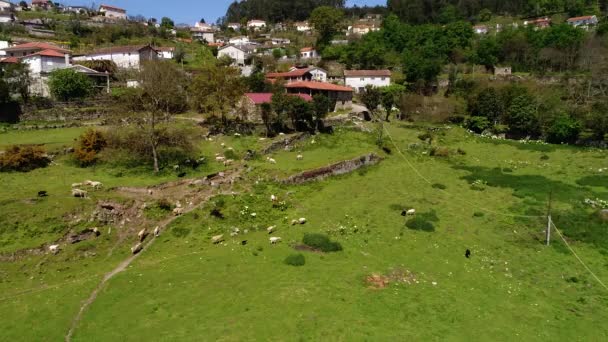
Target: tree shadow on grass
[
  {"x": 581, "y": 225},
  {"x": 595, "y": 180},
  {"x": 423, "y": 221}
]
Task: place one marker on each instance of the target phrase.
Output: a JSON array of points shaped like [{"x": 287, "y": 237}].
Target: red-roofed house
[
  {"x": 295, "y": 75},
  {"x": 584, "y": 21},
  {"x": 539, "y": 23},
  {"x": 26, "y": 49},
  {"x": 252, "y": 102},
  {"x": 308, "y": 52},
  {"x": 341, "y": 94},
  {"x": 113, "y": 12},
  {"x": 42, "y": 4}
]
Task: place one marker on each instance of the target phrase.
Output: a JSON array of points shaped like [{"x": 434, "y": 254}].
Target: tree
[
  {"x": 488, "y": 104},
  {"x": 217, "y": 90},
  {"x": 371, "y": 98},
  {"x": 326, "y": 20},
  {"x": 564, "y": 129},
  {"x": 167, "y": 23},
  {"x": 202, "y": 21},
  {"x": 17, "y": 77},
  {"x": 521, "y": 116},
  {"x": 67, "y": 84},
  {"x": 266, "y": 113},
  {"x": 322, "y": 105},
  {"x": 487, "y": 53},
  {"x": 485, "y": 15},
  {"x": 179, "y": 54},
  {"x": 389, "y": 97},
  {"x": 161, "y": 92}
]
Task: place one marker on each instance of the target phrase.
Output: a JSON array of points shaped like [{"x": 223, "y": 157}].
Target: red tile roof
[
  {"x": 48, "y": 53},
  {"x": 585, "y": 17},
  {"x": 289, "y": 74},
  {"x": 259, "y": 98},
  {"x": 307, "y": 49},
  {"x": 113, "y": 8},
  {"x": 36, "y": 45},
  {"x": 318, "y": 86},
  {"x": 9, "y": 60},
  {"x": 359, "y": 73}
]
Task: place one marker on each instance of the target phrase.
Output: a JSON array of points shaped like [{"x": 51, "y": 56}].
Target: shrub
[
  {"x": 440, "y": 151},
  {"x": 295, "y": 260},
  {"x": 477, "y": 124},
  {"x": 478, "y": 214},
  {"x": 419, "y": 223},
  {"x": 164, "y": 204},
  {"x": 564, "y": 129},
  {"x": 89, "y": 145},
  {"x": 544, "y": 157},
  {"x": 23, "y": 158},
  {"x": 67, "y": 84},
  {"x": 461, "y": 152},
  {"x": 439, "y": 186},
  {"x": 321, "y": 242},
  {"x": 426, "y": 137}
]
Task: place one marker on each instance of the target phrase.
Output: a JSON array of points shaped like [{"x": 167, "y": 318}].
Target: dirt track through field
[{"x": 199, "y": 200}]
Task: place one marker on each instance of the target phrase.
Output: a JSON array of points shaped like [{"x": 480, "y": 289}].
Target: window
[
  {"x": 373, "y": 78},
  {"x": 362, "y": 79},
  {"x": 383, "y": 78}
]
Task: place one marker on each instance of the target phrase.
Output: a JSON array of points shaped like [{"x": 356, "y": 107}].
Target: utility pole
[{"x": 548, "y": 232}]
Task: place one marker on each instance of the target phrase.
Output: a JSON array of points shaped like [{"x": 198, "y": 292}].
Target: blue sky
[{"x": 183, "y": 11}]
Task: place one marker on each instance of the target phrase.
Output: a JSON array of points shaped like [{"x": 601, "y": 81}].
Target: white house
[
  {"x": 27, "y": 49},
  {"x": 480, "y": 29},
  {"x": 238, "y": 54},
  {"x": 203, "y": 26},
  {"x": 298, "y": 75},
  {"x": 256, "y": 24},
  {"x": 6, "y": 17},
  {"x": 165, "y": 52},
  {"x": 361, "y": 29},
  {"x": 46, "y": 61},
  {"x": 126, "y": 57},
  {"x": 234, "y": 26},
  {"x": 280, "y": 41},
  {"x": 302, "y": 26},
  {"x": 308, "y": 52},
  {"x": 584, "y": 21},
  {"x": 358, "y": 79},
  {"x": 77, "y": 9},
  {"x": 113, "y": 12},
  {"x": 203, "y": 34},
  {"x": 240, "y": 40},
  {"x": 6, "y": 6}
]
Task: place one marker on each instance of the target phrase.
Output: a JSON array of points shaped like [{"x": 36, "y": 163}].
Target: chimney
[{"x": 67, "y": 59}]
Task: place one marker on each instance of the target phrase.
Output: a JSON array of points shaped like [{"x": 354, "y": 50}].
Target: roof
[
  {"x": 480, "y": 27},
  {"x": 84, "y": 70},
  {"x": 10, "y": 60},
  {"x": 113, "y": 8},
  {"x": 307, "y": 49},
  {"x": 259, "y": 98},
  {"x": 358, "y": 73},
  {"x": 318, "y": 86},
  {"x": 36, "y": 45},
  {"x": 585, "y": 17},
  {"x": 119, "y": 49},
  {"x": 294, "y": 73},
  {"x": 47, "y": 53}
]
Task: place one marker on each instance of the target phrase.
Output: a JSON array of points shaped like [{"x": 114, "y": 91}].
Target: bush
[
  {"x": 321, "y": 242},
  {"x": 89, "y": 145},
  {"x": 164, "y": 204},
  {"x": 439, "y": 186},
  {"x": 23, "y": 158},
  {"x": 440, "y": 152},
  {"x": 419, "y": 223},
  {"x": 564, "y": 129},
  {"x": 295, "y": 260},
  {"x": 426, "y": 137},
  {"x": 67, "y": 84},
  {"x": 478, "y": 124}
]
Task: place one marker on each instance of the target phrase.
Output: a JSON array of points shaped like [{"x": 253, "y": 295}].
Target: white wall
[
  {"x": 362, "y": 81},
  {"x": 319, "y": 75},
  {"x": 236, "y": 54},
  {"x": 122, "y": 60},
  {"x": 113, "y": 14}
]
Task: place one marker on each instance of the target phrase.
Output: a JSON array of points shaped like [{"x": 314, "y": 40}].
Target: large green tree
[
  {"x": 326, "y": 20},
  {"x": 67, "y": 84}
]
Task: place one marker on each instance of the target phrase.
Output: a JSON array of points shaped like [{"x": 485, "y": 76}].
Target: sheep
[
  {"x": 302, "y": 220},
  {"x": 157, "y": 231},
  {"x": 410, "y": 212},
  {"x": 275, "y": 239},
  {"x": 137, "y": 248},
  {"x": 142, "y": 235},
  {"x": 270, "y": 229},
  {"x": 54, "y": 249},
  {"x": 217, "y": 239},
  {"x": 273, "y": 198},
  {"x": 299, "y": 157},
  {"x": 96, "y": 185},
  {"x": 271, "y": 160},
  {"x": 223, "y": 145},
  {"x": 76, "y": 185},
  {"x": 220, "y": 159},
  {"x": 150, "y": 192},
  {"x": 79, "y": 193},
  {"x": 294, "y": 222},
  {"x": 467, "y": 253},
  {"x": 96, "y": 231},
  {"x": 178, "y": 211},
  {"x": 237, "y": 134},
  {"x": 228, "y": 162}
]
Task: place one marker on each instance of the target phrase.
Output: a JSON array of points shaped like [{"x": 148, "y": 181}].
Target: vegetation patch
[
  {"x": 295, "y": 260},
  {"x": 23, "y": 158},
  {"x": 321, "y": 243},
  {"x": 418, "y": 223},
  {"x": 439, "y": 186}
]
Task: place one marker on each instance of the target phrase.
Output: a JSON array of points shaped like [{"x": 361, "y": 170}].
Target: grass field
[{"x": 489, "y": 198}]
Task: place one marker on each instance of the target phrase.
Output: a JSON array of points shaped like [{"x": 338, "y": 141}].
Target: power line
[{"x": 577, "y": 257}]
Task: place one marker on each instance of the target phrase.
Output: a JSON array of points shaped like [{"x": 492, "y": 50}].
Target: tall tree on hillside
[
  {"x": 217, "y": 90},
  {"x": 371, "y": 98},
  {"x": 161, "y": 92},
  {"x": 326, "y": 20}
]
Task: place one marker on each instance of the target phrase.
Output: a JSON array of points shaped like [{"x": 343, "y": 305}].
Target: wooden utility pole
[{"x": 548, "y": 232}]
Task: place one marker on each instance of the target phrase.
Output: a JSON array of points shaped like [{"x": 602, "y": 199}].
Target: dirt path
[{"x": 198, "y": 200}]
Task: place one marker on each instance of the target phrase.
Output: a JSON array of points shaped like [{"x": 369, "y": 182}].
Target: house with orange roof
[
  {"x": 26, "y": 49},
  {"x": 341, "y": 94},
  {"x": 583, "y": 21},
  {"x": 298, "y": 74}
]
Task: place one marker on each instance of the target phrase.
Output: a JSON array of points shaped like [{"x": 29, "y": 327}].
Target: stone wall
[{"x": 340, "y": 168}]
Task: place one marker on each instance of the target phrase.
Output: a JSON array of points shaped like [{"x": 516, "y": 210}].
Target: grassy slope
[{"x": 512, "y": 288}]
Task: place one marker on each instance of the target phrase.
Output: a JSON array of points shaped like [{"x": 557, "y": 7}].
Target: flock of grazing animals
[
  {"x": 76, "y": 192},
  {"x": 141, "y": 236}
]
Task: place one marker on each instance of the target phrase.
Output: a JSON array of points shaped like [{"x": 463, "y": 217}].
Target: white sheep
[
  {"x": 410, "y": 212},
  {"x": 271, "y": 160},
  {"x": 141, "y": 235},
  {"x": 137, "y": 248},
  {"x": 302, "y": 220},
  {"x": 223, "y": 145},
  {"x": 237, "y": 134},
  {"x": 270, "y": 229},
  {"x": 79, "y": 193},
  {"x": 273, "y": 198},
  {"x": 157, "y": 231},
  {"x": 228, "y": 162},
  {"x": 275, "y": 239},
  {"x": 299, "y": 157},
  {"x": 178, "y": 211},
  {"x": 76, "y": 185},
  {"x": 54, "y": 249},
  {"x": 294, "y": 222},
  {"x": 217, "y": 238},
  {"x": 220, "y": 159},
  {"x": 96, "y": 185}
]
